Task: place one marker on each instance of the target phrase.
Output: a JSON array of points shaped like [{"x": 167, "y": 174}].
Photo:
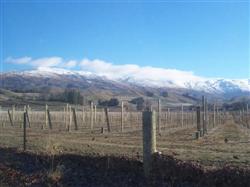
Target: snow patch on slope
[{"x": 209, "y": 85}]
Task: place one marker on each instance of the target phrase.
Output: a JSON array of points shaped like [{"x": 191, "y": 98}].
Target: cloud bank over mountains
[
  {"x": 107, "y": 69},
  {"x": 130, "y": 73}
]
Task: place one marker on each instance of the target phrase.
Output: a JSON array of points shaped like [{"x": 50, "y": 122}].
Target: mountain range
[{"x": 53, "y": 80}]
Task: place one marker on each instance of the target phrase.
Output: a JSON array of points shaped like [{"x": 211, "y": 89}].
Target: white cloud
[
  {"x": 138, "y": 73},
  {"x": 47, "y": 62},
  {"x": 134, "y": 72},
  {"x": 23, "y": 60},
  {"x": 70, "y": 64},
  {"x": 42, "y": 62}
]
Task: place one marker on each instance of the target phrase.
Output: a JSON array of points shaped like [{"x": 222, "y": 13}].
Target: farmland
[{"x": 98, "y": 133}]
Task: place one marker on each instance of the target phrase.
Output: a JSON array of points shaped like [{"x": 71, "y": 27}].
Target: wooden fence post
[
  {"x": 27, "y": 116},
  {"x": 91, "y": 115},
  {"x": 64, "y": 115},
  {"x": 67, "y": 117},
  {"x": 94, "y": 114},
  {"x": 107, "y": 119},
  {"x": 198, "y": 118},
  {"x": 182, "y": 122},
  {"x": 10, "y": 118},
  {"x": 203, "y": 115},
  {"x": 169, "y": 117},
  {"x": 122, "y": 116},
  {"x": 49, "y": 119},
  {"x": 159, "y": 116},
  {"x": 46, "y": 115},
  {"x": 70, "y": 118},
  {"x": 217, "y": 117},
  {"x": 13, "y": 113},
  {"x": 24, "y": 131},
  {"x": 75, "y": 119},
  {"x": 83, "y": 116},
  {"x": 149, "y": 140},
  {"x": 214, "y": 116},
  {"x": 247, "y": 115}
]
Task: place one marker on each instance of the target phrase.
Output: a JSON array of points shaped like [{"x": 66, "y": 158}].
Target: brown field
[{"x": 225, "y": 145}]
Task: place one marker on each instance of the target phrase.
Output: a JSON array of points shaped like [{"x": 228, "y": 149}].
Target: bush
[
  {"x": 111, "y": 102},
  {"x": 164, "y": 94},
  {"x": 139, "y": 102},
  {"x": 149, "y": 94}
]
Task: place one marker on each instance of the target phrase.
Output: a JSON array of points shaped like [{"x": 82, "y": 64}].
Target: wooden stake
[
  {"x": 91, "y": 115},
  {"x": 198, "y": 117},
  {"x": 70, "y": 119},
  {"x": 107, "y": 119},
  {"x": 203, "y": 114},
  {"x": 83, "y": 116},
  {"x": 46, "y": 115},
  {"x": 95, "y": 114},
  {"x": 149, "y": 140},
  {"x": 49, "y": 119},
  {"x": 159, "y": 116},
  {"x": 181, "y": 115},
  {"x": 122, "y": 116},
  {"x": 11, "y": 122},
  {"x": 13, "y": 113},
  {"x": 75, "y": 119},
  {"x": 214, "y": 116},
  {"x": 24, "y": 131}
]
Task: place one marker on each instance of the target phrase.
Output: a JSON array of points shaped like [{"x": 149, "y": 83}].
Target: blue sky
[{"x": 209, "y": 39}]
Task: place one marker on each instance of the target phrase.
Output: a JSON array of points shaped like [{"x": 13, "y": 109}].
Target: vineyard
[{"x": 200, "y": 139}]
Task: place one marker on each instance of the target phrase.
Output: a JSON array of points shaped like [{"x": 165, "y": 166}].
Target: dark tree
[
  {"x": 164, "y": 94},
  {"x": 110, "y": 103},
  {"x": 149, "y": 94},
  {"x": 139, "y": 102}
]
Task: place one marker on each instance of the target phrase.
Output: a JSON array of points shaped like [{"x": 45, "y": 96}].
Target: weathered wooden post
[
  {"x": 102, "y": 130},
  {"x": 247, "y": 115},
  {"x": 83, "y": 116},
  {"x": 149, "y": 140},
  {"x": 203, "y": 115},
  {"x": 27, "y": 115},
  {"x": 95, "y": 114},
  {"x": 24, "y": 131},
  {"x": 243, "y": 117},
  {"x": 67, "y": 117},
  {"x": 206, "y": 115},
  {"x": 13, "y": 113},
  {"x": 214, "y": 116},
  {"x": 91, "y": 115},
  {"x": 70, "y": 118},
  {"x": 217, "y": 117},
  {"x": 169, "y": 117},
  {"x": 49, "y": 119},
  {"x": 75, "y": 118},
  {"x": 64, "y": 115},
  {"x": 10, "y": 118},
  {"x": 122, "y": 116},
  {"x": 107, "y": 119},
  {"x": 46, "y": 115},
  {"x": 159, "y": 116},
  {"x": 181, "y": 115},
  {"x": 1, "y": 115},
  {"x": 198, "y": 117}
]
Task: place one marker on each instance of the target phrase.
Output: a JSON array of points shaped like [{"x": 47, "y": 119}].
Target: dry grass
[{"x": 210, "y": 151}]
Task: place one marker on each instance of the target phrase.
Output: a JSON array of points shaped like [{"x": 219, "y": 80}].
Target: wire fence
[{"x": 75, "y": 120}]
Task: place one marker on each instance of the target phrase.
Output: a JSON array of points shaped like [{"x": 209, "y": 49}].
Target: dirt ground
[{"x": 225, "y": 150}]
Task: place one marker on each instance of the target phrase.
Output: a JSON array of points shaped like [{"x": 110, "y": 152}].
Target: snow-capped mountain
[
  {"x": 82, "y": 79},
  {"x": 216, "y": 85}
]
